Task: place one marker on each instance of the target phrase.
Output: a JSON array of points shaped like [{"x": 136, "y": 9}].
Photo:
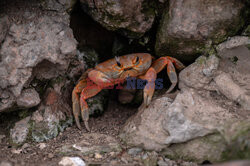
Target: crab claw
[{"x": 172, "y": 76}]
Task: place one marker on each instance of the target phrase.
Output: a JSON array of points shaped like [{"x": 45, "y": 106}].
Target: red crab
[{"x": 115, "y": 71}]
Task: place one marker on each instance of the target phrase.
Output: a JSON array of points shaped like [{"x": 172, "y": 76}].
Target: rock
[
  {"x": 189, "y": 128},
  {"x": 208, "y": 148},
  {"x": 32, "y": 49},
  {"x": 50, "y": 118},
  {"x": 28, "y": 98},
  {"x": 85, "y": 147},
  {"x": 234, "y": 42},
  {"x": 5, "y": 163},
  {"x": 145, "y": 128},
  {"x": 150, "y": 159},
  {"x": 134, "y": 151},
  {"x": 188, "y": 26},
  {"x": 199, "y": 74},
  {"x": 20, "y": 131},
  {"x": 234, "y": 163},
  {"x": 163, "y": 123},
  {"x": 72, "y": 161},
  {"x": 50, "y": 155},
  {"x": 59, "y": 6},
  {"x": 235, "y": 62},
  {"x": 132, "y": 18},
  {"x": 231, "y": 90},
  {"x": 98, "y": 156},
  {"x": 42, "y": 146}
]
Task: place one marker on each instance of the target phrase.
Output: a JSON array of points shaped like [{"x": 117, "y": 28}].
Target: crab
[{"x": 116, "y": 71}]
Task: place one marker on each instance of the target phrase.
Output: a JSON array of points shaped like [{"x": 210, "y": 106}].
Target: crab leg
[
  {"x": 149, "y": 89},
  {"x": 160, "y": 63},
  {"x": 87, "y": 92},
  {"x": 82, "y": 83}
]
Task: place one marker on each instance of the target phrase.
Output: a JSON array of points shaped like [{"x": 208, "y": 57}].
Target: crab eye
[
  {"x": 119, "y": 64},
  {"x": 136, "y": 60},
  {"x": 117, "y": 59}
]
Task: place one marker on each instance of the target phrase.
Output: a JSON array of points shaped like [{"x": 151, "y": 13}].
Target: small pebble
[
  {"x": 42, "y": 146},
  {"x": 50, "y": 155},
  {"x": 98, "y": 156},
  {"x": 72, "y": 161}
]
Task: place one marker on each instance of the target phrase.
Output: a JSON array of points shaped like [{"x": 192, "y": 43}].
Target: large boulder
[
  {"x": 131, "y": 18},
  {"x": 38, "y": 47},
  {"x": 189, "y": 25},
  {"x": 208, "y": 118}
]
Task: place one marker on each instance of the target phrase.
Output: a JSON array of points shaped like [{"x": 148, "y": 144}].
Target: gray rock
[
  {"x": 134, "y": 151},
  {"x": 20, "y": 131},
  {"x": 47, "y": 40},
  {"x": 199, "y": 74},
  {"x": 72, "y": 161},
  {"x": 233, "y": 78},
  {"x": 189, "y": 25},
  {"x": 28, "y": 98},
  {"x": 234, "y": 163},
  {"x": 133, "y": 18},
  {"x": 233, "y": 42},
  {"x": 231, "y": 90}
]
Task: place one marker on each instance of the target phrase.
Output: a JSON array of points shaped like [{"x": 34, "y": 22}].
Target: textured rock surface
[
  {"x": 204, "y": 117},
  {"x": 72, "y": 161},
  {"x": 40, "y": 42},
  {"x": 132, "y": 18},
  {"x": 20, "y": 131},
  {"x": 189, "y": 25},
  {"x": 28, "y": 98},
  {"x": 50, "y": 118}
]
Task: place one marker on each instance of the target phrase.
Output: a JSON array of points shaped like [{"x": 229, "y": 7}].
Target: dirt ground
[{"x": 30, "y": 154}]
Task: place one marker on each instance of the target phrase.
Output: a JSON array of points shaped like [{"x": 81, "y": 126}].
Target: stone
[
  {"x": 98, "y": 156},
  {"x": 234, "y": 163},
  {"x": 134, "y": 151},
  {"x": 132, "y": 18},
  {"x": 188, "y": 26},
  {"x": 235, "y": 63},
  {"x": 5, "y": 163},
  {"x": 199, "y": 74},
  {"x": 188, "y": 127},
  {"x": 234, "y": 42},
  {"x": 150, "y": 159},
  {"x": 231, "y": 90},
  {"x": 20, "y": 131},
  {"x": 72, "y": 161},
  {"x": 42, "y": 146},
  {"x": 28, "y": 98},
  {"x": 34, "y": 49}
]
